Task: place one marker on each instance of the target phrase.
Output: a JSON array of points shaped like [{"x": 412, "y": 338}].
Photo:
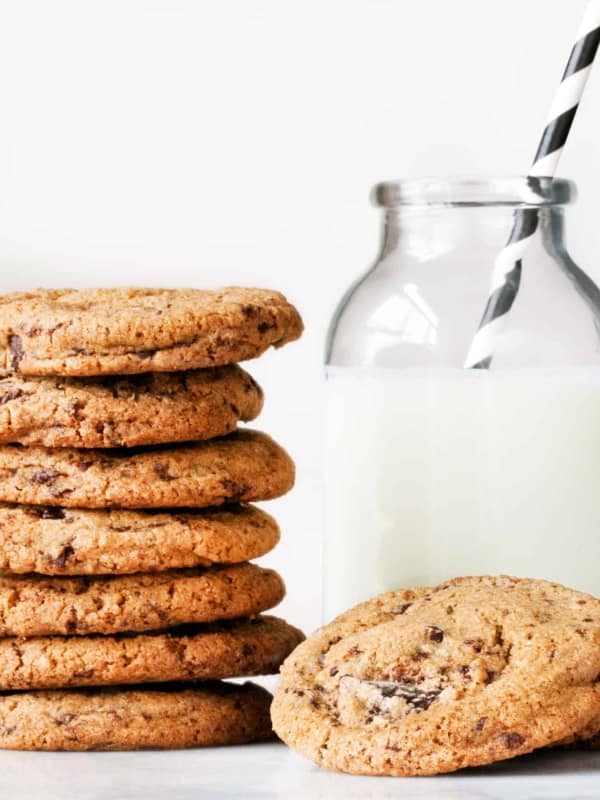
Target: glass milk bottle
[{"x": 435, "y": 470}]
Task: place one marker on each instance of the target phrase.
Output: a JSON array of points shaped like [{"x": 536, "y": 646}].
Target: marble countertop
[{"x": 271, "y": 771}]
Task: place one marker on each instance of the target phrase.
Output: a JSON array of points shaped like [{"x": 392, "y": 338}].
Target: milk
[{"x": 445, "y": 472}]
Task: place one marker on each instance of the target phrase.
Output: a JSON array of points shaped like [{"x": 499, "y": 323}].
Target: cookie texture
[
  {"x": 191, "y": 653},
  {"x": 127, "y": 331},
  {"x": 34, "y": 605},
  {"x": 244, "y": 466},
  {"x": 51, "y": 540},
  {"x": 166, "y": 716},
  {"x": 116, "y": 411},
  {"x": 431, "y": 680}
]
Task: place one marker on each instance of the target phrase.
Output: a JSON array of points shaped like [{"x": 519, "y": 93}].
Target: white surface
[
  {"x": 206, "y": 142},
  {"x": 272, "y": 772}
]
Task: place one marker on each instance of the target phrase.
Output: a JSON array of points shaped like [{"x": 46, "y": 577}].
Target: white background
[{"x": 173, "y": 142}]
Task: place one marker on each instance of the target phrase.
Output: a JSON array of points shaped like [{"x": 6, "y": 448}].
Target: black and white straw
[{"x": 506, "y": 276}]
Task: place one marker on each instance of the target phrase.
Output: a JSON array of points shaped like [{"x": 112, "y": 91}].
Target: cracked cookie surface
[
  {"x": 165, "y": 716},
  {"x": 35, "y": 605},
  {"x": 117, "y": 411},
  {"x": 127, "y": 331},
  {"x": 245, "y": 466},
  {"x": 50, "y": 540},
  {"x": 189, "y": 653},
  {"x": 431, "y": 680}
]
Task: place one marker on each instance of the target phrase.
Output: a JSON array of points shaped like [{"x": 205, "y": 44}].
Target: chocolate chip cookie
[
  {"x": 127, "y": 331},
  {"x": 116, "y": 411},
  {"x": 189, "y": 653},
  {"x": 244, "y": 466},
  {"x": 165, "y": 716},
  {"x": 432, "y": 680},
  {"x": 51, "y": 540},
  {"x": 34, "y": 605}
]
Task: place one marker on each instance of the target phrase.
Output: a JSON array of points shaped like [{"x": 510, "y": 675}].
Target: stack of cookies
[{"x": 126, "y": 593}]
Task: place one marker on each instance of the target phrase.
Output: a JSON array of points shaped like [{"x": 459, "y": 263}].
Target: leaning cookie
[
  {"x": 432, "y": 680},
  {"x": 127, "y": 331},
  {"x": 117, "y": 411},
  {"x": 256, "y": 646},
  {"x": 242, "y": 467},
  {"x": 163, "y": 716},
  {"x": 34, "y": 605},
  {"x": 51, "y": 540}
]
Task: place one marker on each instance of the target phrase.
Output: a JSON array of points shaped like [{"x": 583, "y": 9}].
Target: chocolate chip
[
  {"x": 397, "y": 610},
  {"x": 333, "y": 671},
  {"x": 234, "y": 490},
  {"x": 42, "y": 476},
  {"x": 83, "y": 673},
  {"x": 434, "y": 633},
  {"x": 513, "y": 740},
  {"x": 64, "y": 719},
  {"x": 419, "y": 699},
  {"x": 64, "y": 555},
  {"x": 15, "y": 346},
  {"x": 162, "y": 471},
  {"x": 13, "y": 395},
  {"x": 499, "y": 636},
  {"x": 248, "y": 311},
  {"x": 480, "y": 724},
  {"x": 47, "y": 512},
  {"x": 263, "y": 327},
  {"x": 247, "y": 649},
  {"x": 465, "y": 670}
]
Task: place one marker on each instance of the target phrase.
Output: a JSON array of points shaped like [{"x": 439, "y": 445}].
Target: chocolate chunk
[
  {"x": 233, "y": 489},
  {"x": 42, "y": 476},
  {"x": 397, "y": 610},
  {"x": 12, "y": 395},
  {"x": 513, "y": 740},
  {"x": 419, "y": 699},
  {"x": 83, "y": 673},
  {"x": 434, "y": 633},
  {"x": 64, "y": 555},
  {"x": 64, "y": 719},
  {"x": 15, "y": 346},
  {"x": 163, "y": 472},
  {"x": 48, "y": 512}
]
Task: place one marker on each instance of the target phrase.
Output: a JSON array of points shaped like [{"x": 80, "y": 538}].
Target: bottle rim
[{"x": 516, "y": 191}]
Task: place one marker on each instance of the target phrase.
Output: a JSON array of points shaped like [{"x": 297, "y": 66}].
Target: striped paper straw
[{"x": 506, "y": 276}]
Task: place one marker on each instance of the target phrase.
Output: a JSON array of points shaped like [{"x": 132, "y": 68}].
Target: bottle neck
[{"x": 423, "y": 230}]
